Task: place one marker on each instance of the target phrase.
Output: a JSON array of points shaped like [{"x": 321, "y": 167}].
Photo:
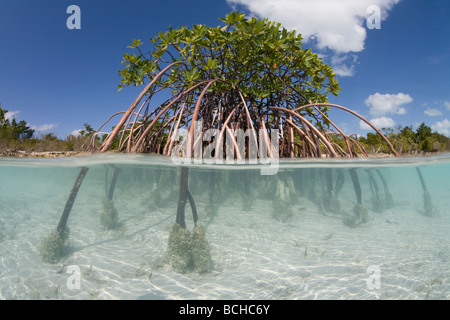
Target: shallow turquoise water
[{"x": 292, "y": 235}]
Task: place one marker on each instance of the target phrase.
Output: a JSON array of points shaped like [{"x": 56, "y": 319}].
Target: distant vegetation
[
  {"x": 16, "y": 136},
  {"x": 405, "y": 140},
  {"x": 19, "y": 136}
]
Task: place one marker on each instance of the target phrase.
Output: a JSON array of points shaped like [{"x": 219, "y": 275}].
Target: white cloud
[
  {"x": 344, "y": 64},
  {"x": 44, "y": 127},
  {"x": 447, "y": 104},
  {"x": 442, "y": 127},
  {"x": 381, "y": 122},
  {"x": 344, "y": 70},
  {"x": 75, "y": 132},
  {"x": 381, "y": 104},
  {"x": 336, "y": 25},
  {"x": 433, "y": 112},
  {"x": 11, "y": 115}
]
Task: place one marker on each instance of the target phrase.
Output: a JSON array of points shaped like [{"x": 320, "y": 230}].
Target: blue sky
[{"x": 57, "y": 79}]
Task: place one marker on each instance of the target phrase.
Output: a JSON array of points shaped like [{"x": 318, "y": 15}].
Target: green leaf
[{"x": 136, "y": 43}]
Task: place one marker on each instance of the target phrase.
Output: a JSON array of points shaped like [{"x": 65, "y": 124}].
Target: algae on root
[
  {"x": 210, "y": 208},
  {"x": 179, "y": 249},
  {"x": 52, "y": 247},
  {"x": 188, "y": 252},
  {"x": 200, "y": 250},
  {"x": 281, "y": 210},
  {"x": 378, "y": 204},
  {"x": 360, "y": 215},
  {"x": 109, "y": 215}
]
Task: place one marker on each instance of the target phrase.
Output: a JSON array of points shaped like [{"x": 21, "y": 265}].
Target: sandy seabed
[{"x": 311, "y": 255}]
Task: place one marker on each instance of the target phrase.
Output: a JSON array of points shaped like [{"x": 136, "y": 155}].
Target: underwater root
[
  {"x": 281, "y": 210},
  {"x": 210, "y": 208},
  {"x": 52, "y": 248},
  {"x": 388, "y": 200},
  {"x": 154, "y": 200},
  {"x": 2, "y": 232},
  {"x": 247, "y": 202},
  {"x": 109, "y": 215},
  {"x": 378, "y": 204},
  {"x": 188, "y": 252},
  {"x": 360, "y": 216},
  {"x": 427, "y": 206},
  {"x": 282, "y": 203},
  {"x": 330, "y": 203}
]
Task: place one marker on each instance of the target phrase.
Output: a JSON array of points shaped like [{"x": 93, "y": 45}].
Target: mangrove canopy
[{"x": 243, "y": 74}]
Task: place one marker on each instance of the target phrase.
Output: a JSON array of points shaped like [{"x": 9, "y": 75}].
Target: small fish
[{"x": 391, "y": 222}]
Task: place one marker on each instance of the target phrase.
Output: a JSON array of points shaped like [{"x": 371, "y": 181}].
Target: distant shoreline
[
  {"x": 66, "y": 154},
  {"x": 43, "y": 154}
]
